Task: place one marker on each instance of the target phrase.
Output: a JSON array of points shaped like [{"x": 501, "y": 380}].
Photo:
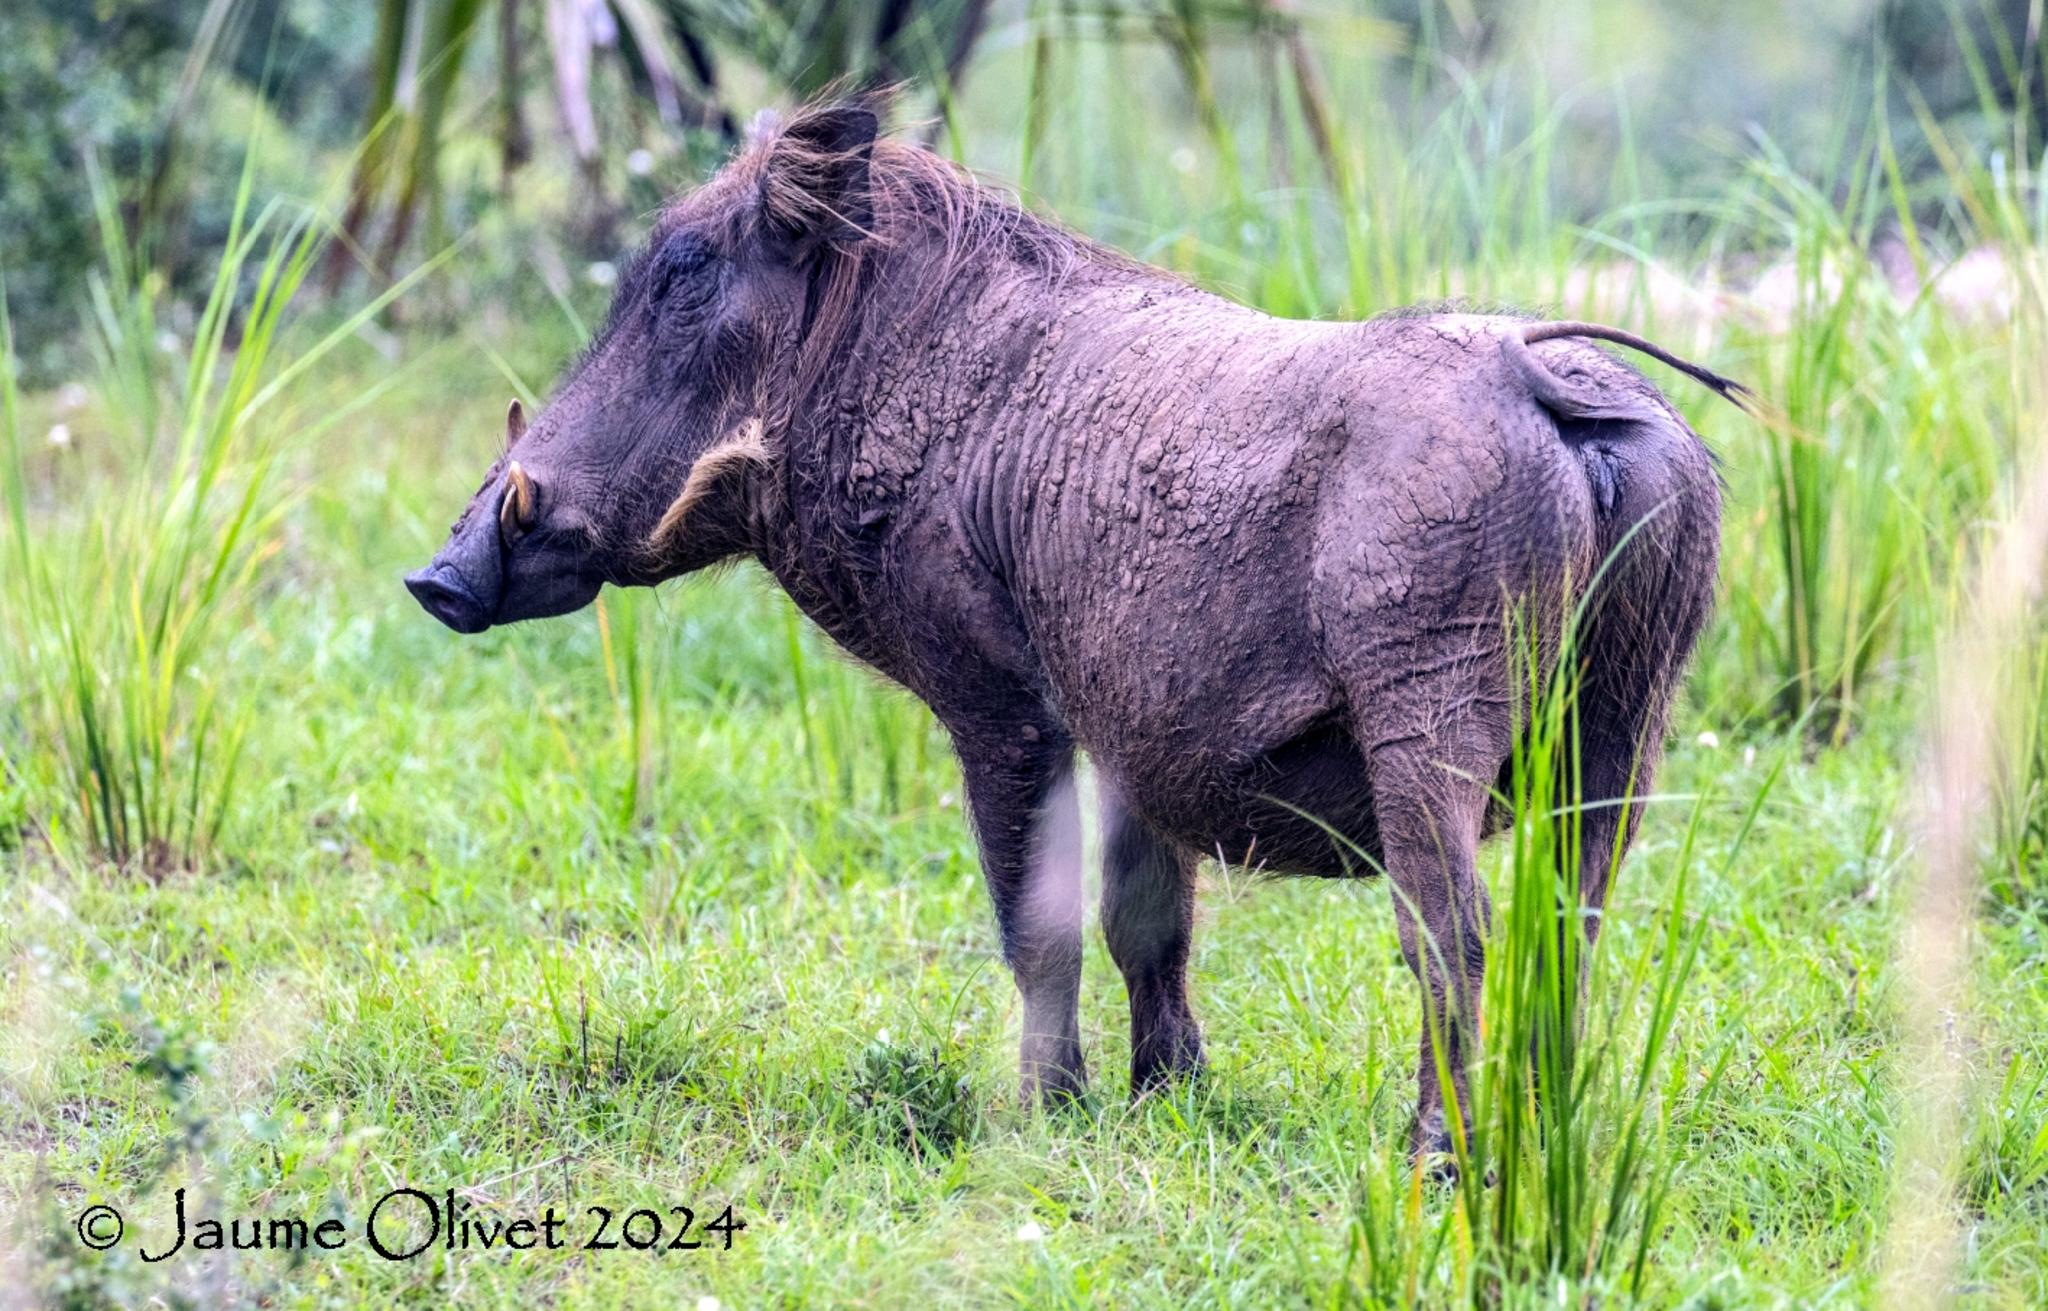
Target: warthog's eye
[{"x": 683, "y": 276}]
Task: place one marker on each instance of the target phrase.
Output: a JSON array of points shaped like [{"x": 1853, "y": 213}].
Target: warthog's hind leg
[
  {"x": 1148, "y": 919},
  {"x": 1430, "y": 809}
]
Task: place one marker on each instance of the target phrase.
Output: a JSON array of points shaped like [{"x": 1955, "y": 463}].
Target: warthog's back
[{"x": 1223, "y": 511}]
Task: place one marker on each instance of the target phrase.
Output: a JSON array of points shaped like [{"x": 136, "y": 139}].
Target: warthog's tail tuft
[{"x": 1561, "y": 395}]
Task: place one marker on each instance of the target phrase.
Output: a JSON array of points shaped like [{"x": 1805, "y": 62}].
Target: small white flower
[
  {"x": 640, "y": 163},
  {"x": 1183, "y": 160},
  {"x": 167, "y": 342},
  {"x": 1710, "y": 740},
  {"x": 601, "y": 274},
  {"x": 60, "y": 435},
  {"x": 881, "y": 1035},
  {"x": 1748, "y": 757},
  {"x": 71, "y": 396},
  {"x": 1029, "y": 1232},
  {"x": 709, "y": 1303},
  {"x": 946, "y": 801}
]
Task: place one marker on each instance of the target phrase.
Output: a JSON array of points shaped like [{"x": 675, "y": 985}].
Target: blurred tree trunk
[
  {"x": 889, "y": 25},
  {"x": 1311, "y": 94},
  {"x": 380, "y": 130},
  {"x": 515, "y": 141},
  {"x": 455, "y": 22},
  {"x": 572, "y": 39},
  {"x": 156, "y": 215},
  {"x": 966, "y": 31},
  {"x": 716, "y": 115}
]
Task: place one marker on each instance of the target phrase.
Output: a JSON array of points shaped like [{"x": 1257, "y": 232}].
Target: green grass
[
  {"x": 430, "y": 895},
  {"x": 437, "y": 949},
  {"x": 664, "y": 904}
]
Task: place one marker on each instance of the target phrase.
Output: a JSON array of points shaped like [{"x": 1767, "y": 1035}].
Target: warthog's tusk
[{"x": 515, "y": 512}]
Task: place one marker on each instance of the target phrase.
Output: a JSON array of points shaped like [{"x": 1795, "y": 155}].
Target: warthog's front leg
[
  {"x": 1020, "y": 789},
  {"x": 1148, "y": 919}
]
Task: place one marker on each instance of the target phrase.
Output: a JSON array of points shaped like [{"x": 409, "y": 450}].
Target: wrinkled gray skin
[{"x": 1257, "y": 569}]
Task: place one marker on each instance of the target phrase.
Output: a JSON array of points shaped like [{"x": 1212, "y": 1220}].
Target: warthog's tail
[
  {"x": 1655, "y": 530},
  {"x": 1562, "y": 395}
]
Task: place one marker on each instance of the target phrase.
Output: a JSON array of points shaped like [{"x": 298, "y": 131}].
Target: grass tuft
[{"x": 916, "y": 1098}]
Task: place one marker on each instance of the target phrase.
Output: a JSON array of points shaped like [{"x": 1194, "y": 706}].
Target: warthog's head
[{"x": 652, "y": 457}]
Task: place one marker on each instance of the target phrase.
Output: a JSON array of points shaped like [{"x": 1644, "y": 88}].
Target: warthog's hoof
[
  {"x": 1434, "y": 1154},
  {"x": 1430, "y": 1149},
  {"x": 1056, "y": 1079},
  {"x": 1167, "y": 1057}
]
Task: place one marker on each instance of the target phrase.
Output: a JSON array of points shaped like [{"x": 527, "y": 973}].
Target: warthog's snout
[
  {"x": 442, "y": 594},
  {"x": 464, "y": 585},
  {"x": 505, "y": 560}
]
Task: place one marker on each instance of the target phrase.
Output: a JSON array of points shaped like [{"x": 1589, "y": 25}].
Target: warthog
[{"x": 1258, "y": 569}]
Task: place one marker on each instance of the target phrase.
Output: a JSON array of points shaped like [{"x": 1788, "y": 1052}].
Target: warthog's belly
[{"x": 1302, "y": 808}]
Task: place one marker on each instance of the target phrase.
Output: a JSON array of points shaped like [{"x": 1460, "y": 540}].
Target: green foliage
[
  {"x": 119, "y": 639},
  {"x": 607, "y": 909},
  {"x": 70, "y": 75},
  {"x": 157, "y": 92}
]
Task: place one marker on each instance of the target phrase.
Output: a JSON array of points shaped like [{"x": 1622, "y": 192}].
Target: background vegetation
[{"x": 664, "y": 904}]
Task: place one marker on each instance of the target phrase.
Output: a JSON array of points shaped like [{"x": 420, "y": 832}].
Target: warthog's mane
[{"x": 915, "y": 228}]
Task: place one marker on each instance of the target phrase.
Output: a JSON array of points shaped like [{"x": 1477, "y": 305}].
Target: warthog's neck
[{"x": 924, "y": 374}]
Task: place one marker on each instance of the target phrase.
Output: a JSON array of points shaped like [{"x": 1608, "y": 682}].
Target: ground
[{"x": 668, "y": 906}]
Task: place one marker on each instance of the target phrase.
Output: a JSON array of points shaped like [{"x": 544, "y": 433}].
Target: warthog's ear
[
  {"x": 740, "y": 457},
  {"x": 815, "y": 187}
]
